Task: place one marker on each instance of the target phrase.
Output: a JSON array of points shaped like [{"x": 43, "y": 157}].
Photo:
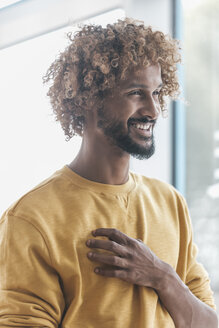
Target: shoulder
[
  {"x": 157, "y": 187},
  {"x": 42, "y": 198},
  {"x": 162, "y": 194}
]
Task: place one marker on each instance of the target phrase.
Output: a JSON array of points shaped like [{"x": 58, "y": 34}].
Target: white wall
[{"x": 27, "y": 19}]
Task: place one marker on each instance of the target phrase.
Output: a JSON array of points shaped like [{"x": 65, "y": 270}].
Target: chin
[
  {"x": 142, "y": 155},
  {"x": 139, "y": 151}
]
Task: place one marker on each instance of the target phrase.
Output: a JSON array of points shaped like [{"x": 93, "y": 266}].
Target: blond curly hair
[{"x": 97, "y": 58}]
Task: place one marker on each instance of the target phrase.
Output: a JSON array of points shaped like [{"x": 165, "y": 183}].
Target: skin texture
[
  {"x": 100, "y": 159},
  {"x": 134, "y": 261}
]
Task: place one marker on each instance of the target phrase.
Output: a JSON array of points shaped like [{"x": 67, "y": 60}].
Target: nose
[{"x": 150, "y": 108}]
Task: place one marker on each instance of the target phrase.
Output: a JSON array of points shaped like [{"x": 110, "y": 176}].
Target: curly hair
[{"x": 97, "y": 58}]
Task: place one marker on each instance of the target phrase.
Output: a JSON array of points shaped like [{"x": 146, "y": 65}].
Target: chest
[{"x": 155, "y": 224}]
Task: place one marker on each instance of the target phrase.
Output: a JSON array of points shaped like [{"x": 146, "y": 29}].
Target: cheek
[
  {"x": 121, "y": 110},
  {"x": 128, "y": 109}
]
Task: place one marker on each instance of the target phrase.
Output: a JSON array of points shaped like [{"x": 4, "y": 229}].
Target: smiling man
[
  {"x": 96, "y": 245},
  {"x": 120, "y": 120}
]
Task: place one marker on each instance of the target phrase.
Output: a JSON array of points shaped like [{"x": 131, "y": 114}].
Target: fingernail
[
  {"x": 93, "y": 232},
  {"x": 88, "y": 242},
  {"x": 96, "y": 270},
  {"x": 90, "y": 254}
]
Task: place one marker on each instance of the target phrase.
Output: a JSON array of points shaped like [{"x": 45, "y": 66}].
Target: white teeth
[{"x": 143, "y": 126}]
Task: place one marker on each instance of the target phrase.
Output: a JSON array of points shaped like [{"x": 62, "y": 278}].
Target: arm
[
  {"x": 185, "y": 308},
  {"x": 30, "y": 294},
  {"x": 195, "y": 295}
]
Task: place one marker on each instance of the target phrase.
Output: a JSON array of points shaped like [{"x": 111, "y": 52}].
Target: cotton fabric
[{"x": 46, "y": 279}]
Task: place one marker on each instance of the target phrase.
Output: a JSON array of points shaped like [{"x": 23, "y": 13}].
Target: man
[{"x": 95, "y": 245}]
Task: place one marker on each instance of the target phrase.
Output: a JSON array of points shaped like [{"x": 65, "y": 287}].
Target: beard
[{"x": 117, "y": 135}]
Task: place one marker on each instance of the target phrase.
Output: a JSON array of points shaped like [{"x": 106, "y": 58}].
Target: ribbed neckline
[{"x": 99, "y": 187}]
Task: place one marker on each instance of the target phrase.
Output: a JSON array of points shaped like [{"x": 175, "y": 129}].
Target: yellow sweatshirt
[{"x": 46, "y": 279}]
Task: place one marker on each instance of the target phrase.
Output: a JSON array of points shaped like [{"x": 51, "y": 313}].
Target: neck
[{"x": 98, "y": 162}]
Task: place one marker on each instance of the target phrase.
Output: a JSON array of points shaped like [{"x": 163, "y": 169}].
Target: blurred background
[{"x": 32, "y": 144}]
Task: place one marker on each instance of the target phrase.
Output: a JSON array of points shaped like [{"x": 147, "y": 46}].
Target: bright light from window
[
  {"x": 5, "y": 3},
  {"x": 32, "y": 144},
  {"x": 188, "y": 4}
]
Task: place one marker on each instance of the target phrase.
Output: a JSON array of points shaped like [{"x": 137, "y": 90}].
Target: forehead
[{"x": 149, "y": 76}]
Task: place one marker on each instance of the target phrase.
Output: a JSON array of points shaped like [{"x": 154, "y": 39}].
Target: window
[
  {"x": 201, "y": 37},
  {"x": 5, "y": 3}
]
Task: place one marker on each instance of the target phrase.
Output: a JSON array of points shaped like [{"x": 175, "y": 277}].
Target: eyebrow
[{"x": 135, "y": 85}]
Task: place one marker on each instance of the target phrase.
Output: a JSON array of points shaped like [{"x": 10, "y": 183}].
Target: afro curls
[{"x": 97, "y": 58}]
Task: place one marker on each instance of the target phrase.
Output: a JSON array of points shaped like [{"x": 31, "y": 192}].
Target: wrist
[
  {"x": 168, "y": 280},
  {"x": 163, "y": 277},
  {"x": 173, "y": 293}
]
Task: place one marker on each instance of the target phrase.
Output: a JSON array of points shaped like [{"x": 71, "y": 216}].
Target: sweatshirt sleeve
[
  {"x": 30, "y": 293},
  {"x": 197, "y": 278}
]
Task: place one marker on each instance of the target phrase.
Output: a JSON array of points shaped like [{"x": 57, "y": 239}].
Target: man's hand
[{"x": 134, "y": 262}]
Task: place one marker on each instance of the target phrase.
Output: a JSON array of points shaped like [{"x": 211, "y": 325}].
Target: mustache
[{"x": 141, "y": 120}]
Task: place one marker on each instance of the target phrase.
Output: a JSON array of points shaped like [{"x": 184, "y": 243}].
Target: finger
[
  {"x": 113, "y": 234},
  {"x": 107, "y": 245},
  {"x": 107, "y": 259},
  {"x": 121, "y": 274}
]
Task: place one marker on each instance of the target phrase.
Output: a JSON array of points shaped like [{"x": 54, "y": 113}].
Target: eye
[
  {"x": 156, "y": 92},
  {"x": 135, "y": 93}
]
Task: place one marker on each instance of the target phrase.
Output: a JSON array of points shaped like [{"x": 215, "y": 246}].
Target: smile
[
  {"x": 143, "y": 129},
  {"x": 146, "y": 126}
]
